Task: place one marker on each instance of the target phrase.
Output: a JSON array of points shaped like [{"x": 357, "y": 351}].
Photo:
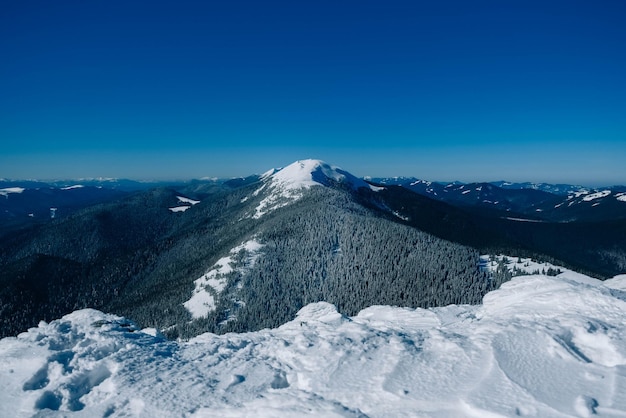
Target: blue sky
[{"x": 480, "y": 90}]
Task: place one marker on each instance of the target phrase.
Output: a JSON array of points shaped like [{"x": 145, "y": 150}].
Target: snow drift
[{"x": 539, "y": 346}]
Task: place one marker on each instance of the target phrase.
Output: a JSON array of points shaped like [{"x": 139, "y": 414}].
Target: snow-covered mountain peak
[
  {"x": 307, "y": 173},
  {"x": 297, "y": 175},
  {"x": 286, "y": 185}
]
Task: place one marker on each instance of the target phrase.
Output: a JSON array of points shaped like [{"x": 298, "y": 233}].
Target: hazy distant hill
[{"x": 534, "y": 201}]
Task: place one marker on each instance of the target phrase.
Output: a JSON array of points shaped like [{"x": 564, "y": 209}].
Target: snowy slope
[
  {"x": 284, "y": 186},
  {"x": 539, "y": 346},
  {"x": 211, "y": 284}
]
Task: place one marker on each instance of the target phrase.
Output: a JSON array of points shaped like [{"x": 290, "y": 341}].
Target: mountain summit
[
  {"x": 286, "y": 185},
  {"x": 306, "y": 173}
]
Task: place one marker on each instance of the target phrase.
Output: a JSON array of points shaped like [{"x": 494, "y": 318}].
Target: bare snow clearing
[
  {"x": 524, "y": 265},
  {"x": 211, "y": 284},
  {"x": 187, "y": 203},
  {"x": 183, "y": 199},
  {"x": 179, "y": 208}
]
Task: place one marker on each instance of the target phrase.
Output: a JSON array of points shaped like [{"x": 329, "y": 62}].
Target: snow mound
[
  {"x": 538, "y": 346},
  {"x": 286, "y": 185},
  {"x": 321, "y": 312}
]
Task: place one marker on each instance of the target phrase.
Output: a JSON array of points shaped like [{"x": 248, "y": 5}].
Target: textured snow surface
[
  {"x": 539, "y": 346},
  {"x": 286, "y": 185}
]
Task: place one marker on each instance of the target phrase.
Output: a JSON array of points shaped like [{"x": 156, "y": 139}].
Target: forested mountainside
[
  {"x": 326, "y": 247},
  {"x": 249, "y": 253},
  {"x": 139, "y": 258},
  {"x": 597, "y": 248}
]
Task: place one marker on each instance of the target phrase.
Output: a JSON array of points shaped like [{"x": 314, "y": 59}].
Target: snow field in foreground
[{"x": 538, "y": 346}]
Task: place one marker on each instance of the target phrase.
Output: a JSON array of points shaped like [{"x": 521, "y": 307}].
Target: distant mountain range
[
  {"x": 247, "y": 253},
  {"x": 535, "y": 201},
  {"x": 559, "y": 189},
  {"x": 29, "y": 201}
]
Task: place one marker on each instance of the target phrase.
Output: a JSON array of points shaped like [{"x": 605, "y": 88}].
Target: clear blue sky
[{"x": 441, "y": 90}]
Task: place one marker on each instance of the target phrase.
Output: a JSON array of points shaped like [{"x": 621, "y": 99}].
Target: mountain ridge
[{"x": 322, "y": 234}]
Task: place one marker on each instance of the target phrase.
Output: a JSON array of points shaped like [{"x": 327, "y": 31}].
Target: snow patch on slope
[
  {"x": 538, "y": 346},
  {"x": 187, "y": 203},
  {"x": 522, "y": 219},
  {"x": 399, "y": 215},
  {"x": 183, "y": 199},
  {"x": 211, "y": 284},
  {"x": 76, "y": 186},
  {"x": 578, "y": 193},
  {"x": 179, "y": 208},
  {"x": 597, "y": 195},
  {"x": 288, "y": 184},
  {"x": 6, "y": 191}
]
